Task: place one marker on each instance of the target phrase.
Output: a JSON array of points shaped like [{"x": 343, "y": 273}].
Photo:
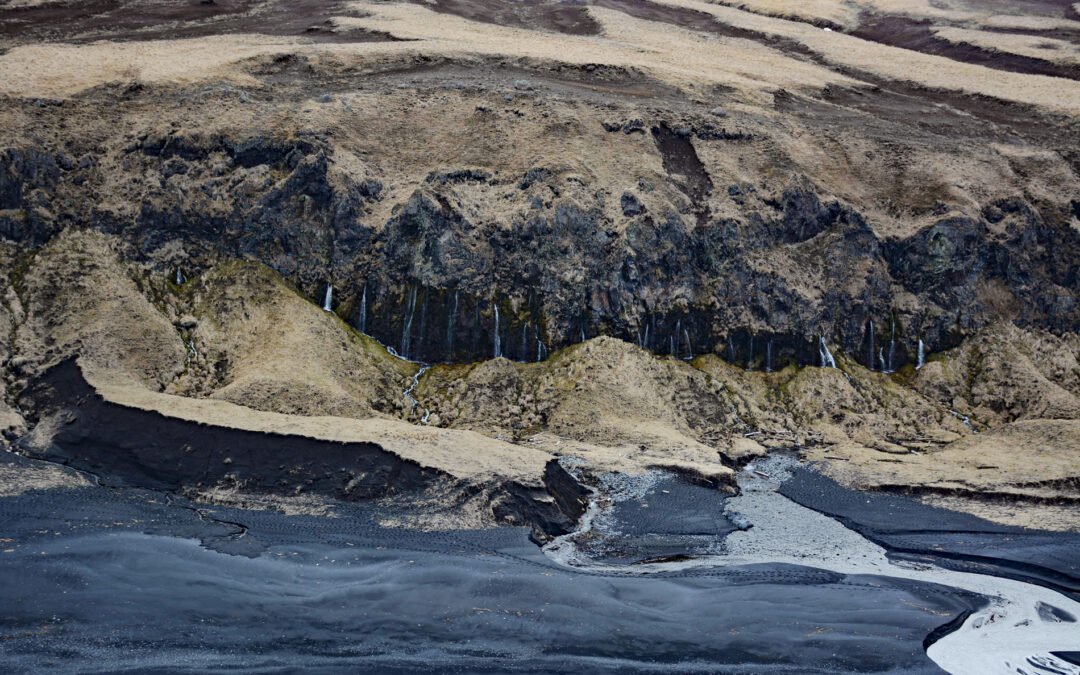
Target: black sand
[
  {"x": 912, "y": 530},
  {"x": 101, "y": 579}
]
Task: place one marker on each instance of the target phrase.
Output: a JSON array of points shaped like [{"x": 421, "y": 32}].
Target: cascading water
[
  {"x": 881, "y": 360},
  {"x": 180, "y": 278},
  {"x": 768, "y": 357},
  {"x": 541, "y": 351},
  {"x": 689, "y": 348},
  {"x": 328, "y": 299},
  {"x": 920, "y": 359},
  {"x": 731, "y": 350},
  {"x": 362, "y": 322},
  {"x": 826, "y": 357},
  {"x": 497, "y": 340},
  {"x": 412, "y": 387}
]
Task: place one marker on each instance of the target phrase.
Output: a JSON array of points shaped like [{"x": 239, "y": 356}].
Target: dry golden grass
[
  {"x": 845, "y": 14},
  {"x": 671, "y": 54},
  {"x": 79, "y": 297},
  {"x": 285, "y": 354},
  {"x": 680, "y": 57},
  {"x": 1009, "y": 460},
  {"x": 1047, "y": 23},
  {"x": 1047, "y": 49},
  {"x": 60, "y": 70},
  {"x": 905, "y": 65},
  {"x": 686, "y": 59},
  {"x": 463, "y": 454}
]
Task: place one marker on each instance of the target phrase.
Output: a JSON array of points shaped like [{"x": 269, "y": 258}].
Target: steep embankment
[
  {"x": 628, "y": 231},
  {"x": 986, "y": 425}
]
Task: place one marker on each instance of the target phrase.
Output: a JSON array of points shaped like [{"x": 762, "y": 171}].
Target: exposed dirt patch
[
  {"x": 682, "y": 163},
  {"x": 916, "y": 35},
  {"x": 126, "y": 20},
  {"x": 569, "y": 19}
]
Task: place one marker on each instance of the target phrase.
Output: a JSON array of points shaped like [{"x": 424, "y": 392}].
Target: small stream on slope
[{"x": 1015, "y": 634}]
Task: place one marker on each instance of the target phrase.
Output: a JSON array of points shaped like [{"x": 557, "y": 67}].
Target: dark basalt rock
[
  {"x": 631, "y": 206},
  {"x": 517, "y": 504},
  {"x": 681, "y": 283},
  {"x": 571, "y": 496}
]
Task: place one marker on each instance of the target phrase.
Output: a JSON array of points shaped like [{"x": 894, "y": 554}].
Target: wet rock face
[
  {"x": 677, "y": 280},
  {"x": 551, "y": 511}
]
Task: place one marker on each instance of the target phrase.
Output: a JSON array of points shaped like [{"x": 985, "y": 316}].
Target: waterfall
[
  {"x": 583, "y": 334},
  {"x": 768, "y": 357},
  {"x": 363, "y": 311},
  {"x": 180, "y": 278},
  {"x": 328, "y": 299},
  {"x": 645, "y": 341},
  {"x": 750, "y": 353},
  {"x": 524, "y": 341},
  {"x": 412, "y": 387},
  {"x": 689, "y": 349},
  {"x": 731, "y": 350},
  {"x": 541, "y": 351},
  {"x": 406, "y": 326},
  {"x": 827, "y": 360},
  {"x": 671, "y": 344},
  {"x": 921, "y": 358},
  {"x": 881, "y": 359},
  {"x": 498, "y": 341}
]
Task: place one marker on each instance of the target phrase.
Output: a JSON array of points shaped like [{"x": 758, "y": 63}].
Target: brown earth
[
  {"x": 737, "y": 171},
  {"x": 262, "y": 347}
]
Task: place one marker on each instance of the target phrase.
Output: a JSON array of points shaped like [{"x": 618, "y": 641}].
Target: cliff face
[
  {"x": 705, "y": 196},
  {"x": 668, "y": 252}
]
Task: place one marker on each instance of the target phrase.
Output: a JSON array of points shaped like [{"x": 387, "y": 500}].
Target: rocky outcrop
[{"x": 752, "y": 273}]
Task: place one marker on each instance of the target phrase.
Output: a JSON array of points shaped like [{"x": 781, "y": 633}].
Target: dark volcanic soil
[
  {"x": 113, "y": 578},
  {"x": 911, "y": 530},
  {"x": 136, "y": 448},
  {"x": 916, "y": 35},
  {"x": 122, "y": 20}
]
